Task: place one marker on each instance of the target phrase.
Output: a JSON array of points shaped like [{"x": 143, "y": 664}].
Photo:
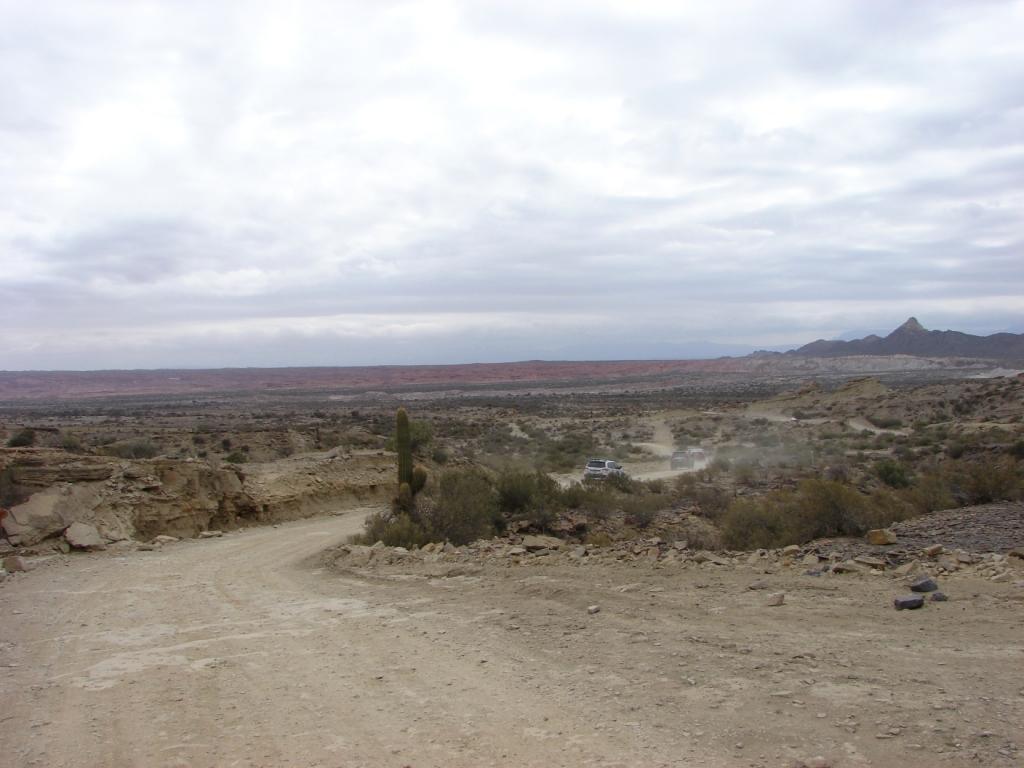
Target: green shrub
[
  {"x": 641, "y": 511},
  {"x": 929, "y": 493},
  {"x": 463, "y": 510},
  {"x": 885, "y": 422},
  {"x": 711, "y": 501},
  {"x": 71, "y": 443},
  {"x": 22, "y": 439},
  {"x": 817, "y": 509},
  {"x": 979, "y": 482},
  {"x": 236, "y": 457},
  {"x": 892, "y": 473},
  {"x": 393, "y": 531},
  {"x": 594, "y": 499},
  {"x": 529, "y": 496}
]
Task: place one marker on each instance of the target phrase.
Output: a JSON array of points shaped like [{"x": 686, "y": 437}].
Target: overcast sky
[{"x": 210, "y": 184}]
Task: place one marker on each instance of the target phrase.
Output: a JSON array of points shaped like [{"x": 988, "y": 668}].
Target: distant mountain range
[{"x": 912, "y": 338}]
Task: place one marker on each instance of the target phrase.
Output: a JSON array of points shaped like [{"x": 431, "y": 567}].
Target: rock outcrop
[{"x": 141, "y": 499}]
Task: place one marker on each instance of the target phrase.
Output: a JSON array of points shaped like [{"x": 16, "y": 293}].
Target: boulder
[
  {"x": 707, "y": 557},
  {"x": 791, "y": 551},
  {"x": 84, "y": 536},
  {"x": 881, "y": 537},
  {"x": 776, "y": 598},
  {"x": 48, "y": 512},
  {"x": 210, "y": 534},
  {"x": 924, "y": 584},
  {"x": 908, "y": 602},
  {"x": 535, "y": 543},
  {"x": 934, "y": 550}
]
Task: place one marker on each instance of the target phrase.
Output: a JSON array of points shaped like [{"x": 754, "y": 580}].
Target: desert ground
[
  {"x": 250, "y": 650},
  {"x": 217, "y": 610}
]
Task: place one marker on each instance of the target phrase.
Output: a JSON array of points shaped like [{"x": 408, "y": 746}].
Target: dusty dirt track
[{"x": 238, "y": 652}]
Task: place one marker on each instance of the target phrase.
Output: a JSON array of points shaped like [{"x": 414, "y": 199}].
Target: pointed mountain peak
[{"x": 911, "y": 326}]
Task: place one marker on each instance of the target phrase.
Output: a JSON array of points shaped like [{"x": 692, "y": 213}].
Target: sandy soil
[{"x": 239, "y": 651}]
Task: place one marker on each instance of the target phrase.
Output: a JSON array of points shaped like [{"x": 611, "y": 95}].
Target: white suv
[{"x": 602, "y": 468}]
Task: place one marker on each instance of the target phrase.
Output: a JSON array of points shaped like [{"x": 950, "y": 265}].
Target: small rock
[
  {"x": 907, "y": 568},
  {"x": 758, "y": 585},
  {"x": 1018, "y": 553},
  {"x": 908, "y": 602},
  {"x": 776, "y": 598},
  {"x": 938, "y": 597},
  {"x": 871, "y": 562},
  {"x": 847, "y": 566},
  {"x": 924, "y": 584},
  {"x": 881, "y": 537},
  {"x": 814, "y": 762},
  {"x": 515, "y": 551},
  {"x": 16, "y": 564},
  {"x": 210, "y": 534},
  {"x": 592, "y": 609},
  {"x": 791, "y": 551},
  {"x": 810, "y": 559},
  {"x": 934, "y": 550},
  {"x": 999, "y": 578},
  {"x": 164, "y": 539}
]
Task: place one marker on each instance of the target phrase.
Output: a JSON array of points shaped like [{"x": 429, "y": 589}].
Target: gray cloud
[{"x": 343, "y": 182}]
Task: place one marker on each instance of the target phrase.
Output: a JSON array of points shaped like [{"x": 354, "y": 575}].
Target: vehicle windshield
[{"x": 595, "y": 463}]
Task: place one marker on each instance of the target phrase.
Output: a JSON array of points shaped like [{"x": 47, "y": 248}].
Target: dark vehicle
[{"x": 687, "y": 459}]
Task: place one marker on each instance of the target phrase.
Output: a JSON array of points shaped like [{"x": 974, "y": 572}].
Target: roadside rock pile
[{"x": 537, "y": 551}]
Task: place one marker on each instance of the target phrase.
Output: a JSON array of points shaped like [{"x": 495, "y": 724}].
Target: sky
[{"x": 196, "y": 184}]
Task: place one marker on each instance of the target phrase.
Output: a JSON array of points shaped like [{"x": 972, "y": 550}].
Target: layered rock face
[{"x": 141, "y": 499}]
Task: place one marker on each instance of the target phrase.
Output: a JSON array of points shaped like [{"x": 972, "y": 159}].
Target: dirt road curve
[
  {"x": 236, "y": 652},
  {"x": 229, "y": 652}
]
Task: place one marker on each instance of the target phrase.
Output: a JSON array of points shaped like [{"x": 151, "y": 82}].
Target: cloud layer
[{"x": 207, "y": 184}]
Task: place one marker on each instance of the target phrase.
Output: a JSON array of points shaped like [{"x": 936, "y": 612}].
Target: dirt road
[
  {"x": 233, "y": 652},
  {"x": 239, "y": 652}
]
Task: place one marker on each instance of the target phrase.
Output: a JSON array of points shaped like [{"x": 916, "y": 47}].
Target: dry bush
[
  {"x": 463, "y": 510},
  {"x": 818, "y": 508},
  {"x": 393, "y": 531}
]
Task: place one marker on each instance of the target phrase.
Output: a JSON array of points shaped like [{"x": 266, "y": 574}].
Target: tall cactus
[{"x": 403, "y": 444}]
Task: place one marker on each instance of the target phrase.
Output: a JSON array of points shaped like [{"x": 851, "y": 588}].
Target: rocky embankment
[
  {"x": 112, "y": 500},
  {"x": 941, "y": 544}
]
